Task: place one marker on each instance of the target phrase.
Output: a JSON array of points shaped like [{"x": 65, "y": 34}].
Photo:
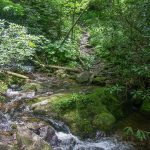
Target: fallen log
[
  {"x": 58, "y": 67},
  {"x": 14, "y": 74}
]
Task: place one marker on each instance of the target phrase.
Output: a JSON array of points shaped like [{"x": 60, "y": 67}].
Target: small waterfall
[
  {"x": 68, "y": 141},
  {"x": 71, "y": 142}
]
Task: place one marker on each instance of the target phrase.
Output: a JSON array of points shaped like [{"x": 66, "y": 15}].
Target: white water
[{"x": 71, "y": 142}]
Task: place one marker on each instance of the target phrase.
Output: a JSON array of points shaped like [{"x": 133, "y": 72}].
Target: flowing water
[
  {"x": 59, "y": 135},
  {"x": 67, "y": 141}
]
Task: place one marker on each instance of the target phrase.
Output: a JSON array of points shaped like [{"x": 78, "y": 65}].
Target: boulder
[
  {"x": 37, "y": 87},
  {"x": 28, "y": 140},
  {"x": 48, "y": 134},
  {"x": 41, "y": 128},
  {"x": 44, "y": 105},
  {"x": 83, "y": 77}
]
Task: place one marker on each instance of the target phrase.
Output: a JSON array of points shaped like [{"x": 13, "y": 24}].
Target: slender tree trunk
[
  {"x": 73, "y": 20},
  {"x": 67, "y": 35}
]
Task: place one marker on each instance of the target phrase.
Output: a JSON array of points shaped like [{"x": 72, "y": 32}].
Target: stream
[{"x": 56, "y": 133}]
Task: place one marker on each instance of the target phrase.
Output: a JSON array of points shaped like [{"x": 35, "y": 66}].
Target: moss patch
[
  {"x": 104, "y": 121},
  {"x": 87, "y": 113},
  {"x": 32, "y": 86},
  {"x": 99, "y": 81},
  {"x": 146, "y": 107}
]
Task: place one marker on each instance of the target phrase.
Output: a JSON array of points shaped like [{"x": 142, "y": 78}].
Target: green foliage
[
  {"x": 142, "y": 135},
  {"x": 120, "y": 34},
  {"x": 15, "y": 42},
  {"x": 69, "y": 102},
  {"x": 116, "y": 89},
  {"x": 53, "y": 19},
  {"x": 140, "y": 95},
  {"x": 145, "y": 108},
  {"x": 43, "y": 17},
  {"x": 10, "y": 9},
  {"x": 104, "y": 121},
  {"x": 128, "y": 131},
  {"x": 75, "y": 6},
  {"x": 32, "y": 87},
  {"x": 99, "y": 4},
  {"x": 53, "y": 54},
  {"x": 89, "y": 112},
  {"x": 3, "y": 88},
  {"x": 138, "y": 134}
]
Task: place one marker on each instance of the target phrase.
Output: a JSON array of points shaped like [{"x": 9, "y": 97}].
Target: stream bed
[
  {"x": 18, "y": 120},
  {"x": 58, "y": 135}
]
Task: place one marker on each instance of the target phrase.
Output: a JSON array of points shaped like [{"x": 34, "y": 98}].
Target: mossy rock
[
  {"x": 79, "y": 126},
  {"x": 32, "y": 87},
  {"x": 84, "y": 113},
  {"x": 70, "y": 118},
  {"x": 104, "y": 121},
  {"x": 47, "y": 105},
  {"x": 86, "y": 126},
  {"x": 87, "y": 113},
  {"x": 99, "y": 81},
  {"x": 145, "y": 108},
  {"x": 30, "y": 140},
  {"x": 83, "y": 77}
]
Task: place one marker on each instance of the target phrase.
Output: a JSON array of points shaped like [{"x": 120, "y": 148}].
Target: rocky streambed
[{"x": 24, "y": 127}]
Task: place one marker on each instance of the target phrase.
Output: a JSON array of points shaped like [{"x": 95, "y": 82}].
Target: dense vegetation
[{"x": 42, "y": 33}]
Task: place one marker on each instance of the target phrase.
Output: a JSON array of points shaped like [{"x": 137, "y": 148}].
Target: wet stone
[
  {"x": 48, "y": 134},
  {"x": 4, "y": 124},
  {"x": 31, "y": 141}
]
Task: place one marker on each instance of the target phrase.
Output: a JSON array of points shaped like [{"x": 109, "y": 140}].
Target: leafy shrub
[
  {"x": 65, "y": 103},
  {"x": 138, "y": 134},
  {"x": 121, "y": 35},
  {"x": 98, "y": 4},
  {"x": 52, "y": 53},
  {"x": 140, "y": 95},
  {"x": 15, "y": 43},
  {"x": 10, "y": 9}
]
